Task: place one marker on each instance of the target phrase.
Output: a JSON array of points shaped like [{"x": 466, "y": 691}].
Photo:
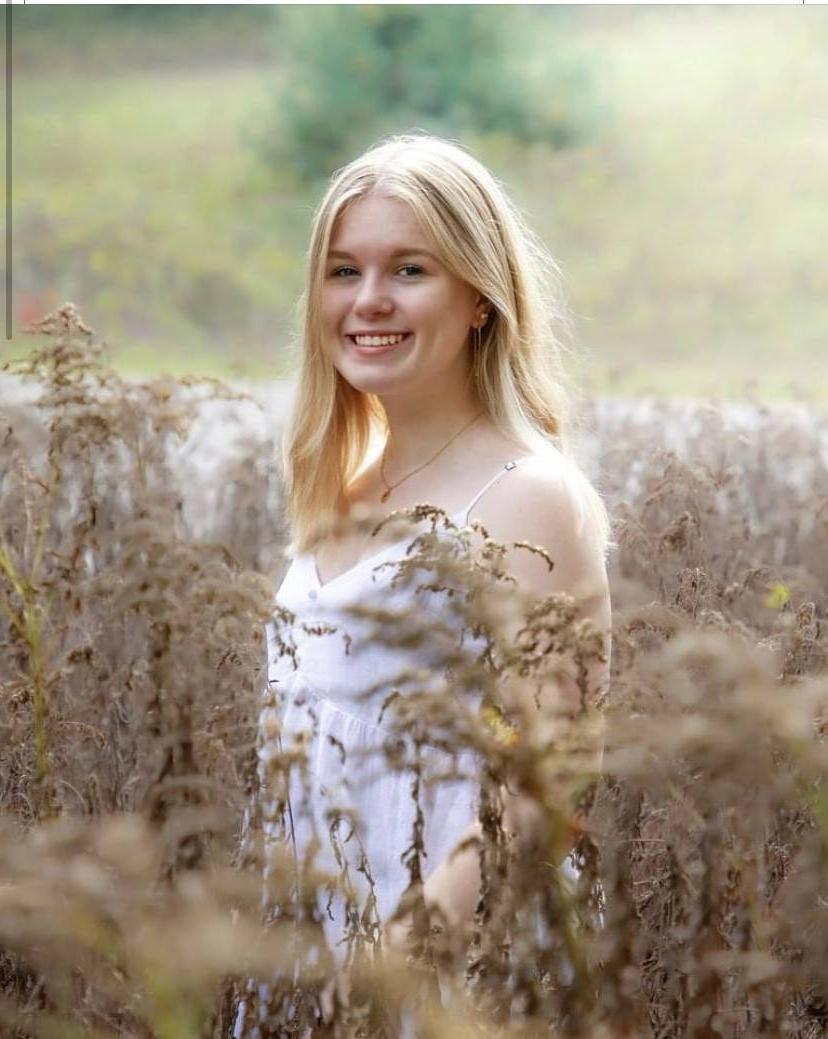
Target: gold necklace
[{"x": 390, "y": 487}]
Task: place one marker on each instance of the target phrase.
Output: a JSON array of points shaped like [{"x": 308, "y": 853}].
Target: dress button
[{"x": 311, "y": 594}]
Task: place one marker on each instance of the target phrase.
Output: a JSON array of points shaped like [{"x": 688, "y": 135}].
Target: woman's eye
[{"x": 346, "y": 271}]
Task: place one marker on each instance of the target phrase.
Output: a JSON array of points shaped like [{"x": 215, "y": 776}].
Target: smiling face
[{"x": 395, "y": 318}]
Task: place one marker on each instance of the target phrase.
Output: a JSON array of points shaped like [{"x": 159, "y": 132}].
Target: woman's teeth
[{"x": 379, "y": 340}]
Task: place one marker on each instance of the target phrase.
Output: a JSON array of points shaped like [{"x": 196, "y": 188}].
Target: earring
[{"x": 477, "y": 333}]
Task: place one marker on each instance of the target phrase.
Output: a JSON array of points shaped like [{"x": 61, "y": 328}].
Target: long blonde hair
[{"x": 516, "y": 370}]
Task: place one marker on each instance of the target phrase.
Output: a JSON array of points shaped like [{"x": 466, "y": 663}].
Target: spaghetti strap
[{"x": 506, "y": 468}]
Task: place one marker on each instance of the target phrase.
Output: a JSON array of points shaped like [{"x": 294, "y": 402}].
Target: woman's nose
[{"x": 372, "y": 298}]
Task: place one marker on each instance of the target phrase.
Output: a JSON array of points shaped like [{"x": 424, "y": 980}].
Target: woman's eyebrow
[{"x": 342, "y": 254}]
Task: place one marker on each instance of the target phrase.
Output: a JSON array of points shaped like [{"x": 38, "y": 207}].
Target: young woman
[{"x": 429, "y": 374}]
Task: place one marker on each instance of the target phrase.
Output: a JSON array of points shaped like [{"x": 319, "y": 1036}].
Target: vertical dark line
[{"x": 8, "y": 169}]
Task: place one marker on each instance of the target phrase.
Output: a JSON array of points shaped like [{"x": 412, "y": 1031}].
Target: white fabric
[{"x": 323, "y": 701}]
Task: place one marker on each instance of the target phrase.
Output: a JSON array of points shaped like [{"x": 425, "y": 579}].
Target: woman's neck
[{"x": 418, "y": 431}]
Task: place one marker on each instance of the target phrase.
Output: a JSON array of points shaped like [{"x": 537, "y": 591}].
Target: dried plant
[{"x": 146, "y": 884}]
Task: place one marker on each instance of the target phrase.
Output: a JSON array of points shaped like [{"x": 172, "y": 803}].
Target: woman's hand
[
  {"x": 396, "y": 940},
  {"x": 449, "y": 913}
]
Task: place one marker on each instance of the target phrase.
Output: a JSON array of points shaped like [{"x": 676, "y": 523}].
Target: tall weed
[{"x": 144, "y": 890}]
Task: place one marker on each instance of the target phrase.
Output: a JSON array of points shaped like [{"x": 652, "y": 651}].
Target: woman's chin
[
  {"x": 373, "y": 381},
  {"x": 378, "y": 386}
]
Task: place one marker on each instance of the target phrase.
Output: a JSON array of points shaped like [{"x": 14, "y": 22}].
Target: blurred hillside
[{"x": 689, "y": 221}]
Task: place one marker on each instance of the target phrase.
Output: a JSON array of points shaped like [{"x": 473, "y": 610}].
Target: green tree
[{"x": 350, "y": 74}]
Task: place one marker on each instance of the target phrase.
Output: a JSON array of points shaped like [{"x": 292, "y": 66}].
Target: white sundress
[{"x": 321, "y": 702}]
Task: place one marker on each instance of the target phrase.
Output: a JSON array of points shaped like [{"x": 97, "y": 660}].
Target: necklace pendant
[{"x": 384, "y": 495}]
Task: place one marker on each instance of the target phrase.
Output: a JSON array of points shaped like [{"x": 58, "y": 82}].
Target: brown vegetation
[{"x": 131, "y": 656}]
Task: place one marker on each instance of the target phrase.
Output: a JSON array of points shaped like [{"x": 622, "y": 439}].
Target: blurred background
[{"x": 167, "y": 160}]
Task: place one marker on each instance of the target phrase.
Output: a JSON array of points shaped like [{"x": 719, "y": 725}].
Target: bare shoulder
[{"x": 548, "y": 502}]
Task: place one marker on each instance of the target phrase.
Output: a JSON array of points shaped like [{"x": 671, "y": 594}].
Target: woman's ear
[{"x": 482, "y": 310}]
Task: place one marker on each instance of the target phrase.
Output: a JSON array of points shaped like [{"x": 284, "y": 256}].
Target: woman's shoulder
[
  {"x": 549, "y": 503},
  {"x": 548, "y": 479}
]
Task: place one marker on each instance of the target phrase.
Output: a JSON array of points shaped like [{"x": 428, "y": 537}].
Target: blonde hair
[{"x": 516, "y": 370}]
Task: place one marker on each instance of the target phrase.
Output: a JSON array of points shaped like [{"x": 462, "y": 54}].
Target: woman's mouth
[{"x": 374, "y": 345}]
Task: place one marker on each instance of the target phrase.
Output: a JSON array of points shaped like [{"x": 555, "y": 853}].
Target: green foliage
[
  {"x": 87, "y": 38},
  {"x": 352, "y": 74},
  {"x": 690, "y": 230}
]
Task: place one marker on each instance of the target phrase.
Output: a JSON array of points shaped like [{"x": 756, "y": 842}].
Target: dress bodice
[{"x": 336, "y": 654}]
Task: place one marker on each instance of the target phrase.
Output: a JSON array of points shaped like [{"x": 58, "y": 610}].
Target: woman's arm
[{"x": 552, "y": 511}]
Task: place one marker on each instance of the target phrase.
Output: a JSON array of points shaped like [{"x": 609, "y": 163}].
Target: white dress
[{"x": 331, "y": 703}]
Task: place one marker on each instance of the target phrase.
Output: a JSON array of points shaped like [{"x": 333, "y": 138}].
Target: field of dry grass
[{"x": 140, "y": 539}]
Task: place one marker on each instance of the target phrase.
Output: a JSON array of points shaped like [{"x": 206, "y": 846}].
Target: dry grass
[{"x": 131, "y": 653}]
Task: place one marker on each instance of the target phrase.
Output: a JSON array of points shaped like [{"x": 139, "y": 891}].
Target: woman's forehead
[{"x": 377, "y": 222}]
